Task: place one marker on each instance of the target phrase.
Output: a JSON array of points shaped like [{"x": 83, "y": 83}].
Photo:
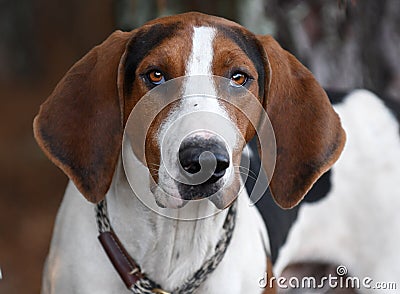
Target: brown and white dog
[{"x": 80, "y": 128}]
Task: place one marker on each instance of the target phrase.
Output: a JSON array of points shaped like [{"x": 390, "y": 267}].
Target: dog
[
  {"x": 348, "y": 222},
  {"x": 80, "y": 127}
]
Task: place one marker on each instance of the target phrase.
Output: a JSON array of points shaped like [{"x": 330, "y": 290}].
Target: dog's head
[{"x": 80, "y": 126}]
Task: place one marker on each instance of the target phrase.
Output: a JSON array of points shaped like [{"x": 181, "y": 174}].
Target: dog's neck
[{"x": 168, "y": 250}]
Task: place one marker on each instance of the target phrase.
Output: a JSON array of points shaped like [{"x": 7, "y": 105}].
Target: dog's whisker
[
  {"x": 247, "y": 175},
  {"x": 246, "y": 170}
]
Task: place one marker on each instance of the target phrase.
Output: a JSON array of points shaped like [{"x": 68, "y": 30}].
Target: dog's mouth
[
  {"x": 197, "y": 192},
  {"x": 185, "y": 194}
]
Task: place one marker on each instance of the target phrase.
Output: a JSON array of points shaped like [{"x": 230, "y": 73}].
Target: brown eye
[
  {"x": 238, "y": 79},
  {"x": 156, "y": 77}
]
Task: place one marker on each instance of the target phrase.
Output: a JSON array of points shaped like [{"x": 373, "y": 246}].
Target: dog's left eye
[
  {"x": 156, "y": 77},
  {"x": 239, "y": 79}
]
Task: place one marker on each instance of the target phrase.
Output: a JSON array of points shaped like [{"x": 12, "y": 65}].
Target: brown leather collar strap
[{"x": 126, "y": 267}]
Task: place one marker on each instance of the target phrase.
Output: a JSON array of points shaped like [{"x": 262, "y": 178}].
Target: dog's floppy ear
[
  {"x": 308, "y": 132},
  {"x": 79, "y": 126}
]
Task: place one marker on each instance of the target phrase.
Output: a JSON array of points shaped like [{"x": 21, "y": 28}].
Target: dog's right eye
[
  {"x": 156, "y": 77},
  {"x": 239, "y": 79}
]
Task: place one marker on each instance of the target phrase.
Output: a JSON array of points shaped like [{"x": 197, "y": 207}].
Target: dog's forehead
[
  {"x": 173, "y": 38},
  {"x": 167, "y": 30},
  {"x": 184, "y": 25}
]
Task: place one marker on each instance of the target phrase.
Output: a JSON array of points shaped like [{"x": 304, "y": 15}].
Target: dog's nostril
[
  {"x": 222, "y": 163},
  {"x": 189, "y": 158},
  {"x": 191, "y": 168}
]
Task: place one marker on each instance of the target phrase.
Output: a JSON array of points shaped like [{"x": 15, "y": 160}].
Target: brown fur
[
  {"x": 79, "y": 126},
  {"x": 228, "y": 55}
]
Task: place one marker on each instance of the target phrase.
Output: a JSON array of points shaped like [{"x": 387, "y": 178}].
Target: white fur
[
  {"x": 357, "y": 224},
  {"x": 201, "y": 57}
]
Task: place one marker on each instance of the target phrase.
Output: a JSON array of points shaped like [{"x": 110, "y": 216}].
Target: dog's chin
[
  {"x": 218, "y": 201},
  {"x": 220, "y": 197},
  {"x": 172, "y": 202},
  {"x": 223, "y": 200},
  {"x": 165, "y": 201}
]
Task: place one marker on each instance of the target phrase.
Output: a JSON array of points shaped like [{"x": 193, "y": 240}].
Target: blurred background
[{"x": 347, "y": 44}]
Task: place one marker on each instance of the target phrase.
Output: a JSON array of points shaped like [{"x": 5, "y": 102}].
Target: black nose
[{"x": 207, "y": 155}]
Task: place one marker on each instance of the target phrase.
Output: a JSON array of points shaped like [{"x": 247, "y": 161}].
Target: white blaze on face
[
  {"x": 199, "y": 110},
  {"x": 201, "y": 57},
  {"x": 200, "y": 93}
]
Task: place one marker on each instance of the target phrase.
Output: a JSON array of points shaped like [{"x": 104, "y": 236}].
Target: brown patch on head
[
  {"x": 229, "y": 58},
  {"x": 169, "y": 56}
]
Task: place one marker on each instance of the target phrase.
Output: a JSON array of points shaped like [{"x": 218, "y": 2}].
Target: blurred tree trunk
[
  {"x": 65, "y": 30},
  {"x": 375, "y": 70},
  {"x": 18, "y": 54},
  {"x": 131, "y": 14},
  {"x": 355, "y": 45}
]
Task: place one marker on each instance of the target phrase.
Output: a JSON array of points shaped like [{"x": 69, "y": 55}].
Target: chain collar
[{"x": 130, "y": 272}]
